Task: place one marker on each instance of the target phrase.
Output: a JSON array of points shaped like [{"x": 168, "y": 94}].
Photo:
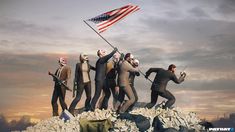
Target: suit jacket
[
  {"x": 162, "y": 78},
  {"x": 65, "y": 74},
  {"x": 111, "y": 70},
  {"x": 132, "y": 77},
  {"x": 123, "y": 76},
  {"x": 101, "y": 66},
  {"x": 78, "y": 72}
]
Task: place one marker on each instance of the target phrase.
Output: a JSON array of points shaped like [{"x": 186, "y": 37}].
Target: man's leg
[
  {"x": 62, "y": 98},
  {"x": 135, "y": 94},
  {"x": 136, "y": 98},
  {"x": 120, "y": 99},
  {"x": 76, "y": 99},
  {"x": 171, "y": 99},
  {"x": 154, "y": 97},
  {"x": 129, "y": 102},
  {"x": 107, "y": 95},
  {"x": 88, "y": 95},
  {"x": 98, "y": 88},
  {"x": 54, "y": 102},
  {"x": 115, "y": 96},
  {"x": 100, "y": 100}
]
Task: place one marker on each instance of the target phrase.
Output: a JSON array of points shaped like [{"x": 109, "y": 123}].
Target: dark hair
[
  {"x": 98, "y": 53},
  {"x": 127, "y": 55},
  {"x": 171, "y": 66}
]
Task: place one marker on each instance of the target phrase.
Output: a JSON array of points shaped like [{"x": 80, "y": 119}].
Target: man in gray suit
[{"x": 160, "y": 82}]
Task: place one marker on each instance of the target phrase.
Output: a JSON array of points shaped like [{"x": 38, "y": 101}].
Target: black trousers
[
  {"x": 59, "y": 92},
  {"x": 109, "y": 87},
  {"x": 99, "y": 85},
  {"x": 166, "y": 94},
  {"x": 81, "y": 87}
]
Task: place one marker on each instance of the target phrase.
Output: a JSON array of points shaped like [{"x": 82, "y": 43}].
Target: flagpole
[
  {"x": 111, "y": 45},
  {"x": 144, "y": 76},
  {"x": 101, "y": 36}
]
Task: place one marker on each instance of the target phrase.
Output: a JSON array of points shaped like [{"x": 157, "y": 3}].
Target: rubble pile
[
  {"x": 55, "y": 124},
  {"x": 170, "y": 118},
  {"x": 175, "y": 118}
]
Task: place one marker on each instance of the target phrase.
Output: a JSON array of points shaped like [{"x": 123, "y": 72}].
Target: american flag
[{"x": 106, "y": 20}]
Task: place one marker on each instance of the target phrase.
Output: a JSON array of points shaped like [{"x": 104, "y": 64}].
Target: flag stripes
[{"x": 106, "y": 20}]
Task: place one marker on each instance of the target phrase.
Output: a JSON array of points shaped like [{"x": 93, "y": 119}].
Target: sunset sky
[{"x": 198, "y": 34}]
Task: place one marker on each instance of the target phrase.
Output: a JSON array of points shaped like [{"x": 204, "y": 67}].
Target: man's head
[
  {"x": 116, "y": 57},
  {"x": 62, "y": 61},
  {"x": 101, "y": 53},
  {"x": 129, "y": 57},
  {"x": 172, "y": 68},
  {"x": 135, "y": 63},
  {"x": 83, "y": 57}
]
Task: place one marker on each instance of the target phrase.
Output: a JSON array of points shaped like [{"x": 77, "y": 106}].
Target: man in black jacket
[
  {"x": 100, "y": 74},
  {"x": 160, "y": 82},
  {"x": 82, "y": 81},
  {"x": 111, "y": 81}
]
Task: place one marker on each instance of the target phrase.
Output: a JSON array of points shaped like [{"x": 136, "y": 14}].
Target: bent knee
[
  {"x": 132, "y": 100},
  {"x": 136, "y": 99},
  {"x": 173, "y": 100}
]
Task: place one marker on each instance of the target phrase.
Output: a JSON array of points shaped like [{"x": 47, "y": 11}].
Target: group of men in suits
[{"x": 114, "y": 73}]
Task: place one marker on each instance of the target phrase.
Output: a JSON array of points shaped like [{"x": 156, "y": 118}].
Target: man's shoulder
[
  {"x": 126, "y": 63},
  {"x": 161, "y": 70},
  {"x": 66, "y": 67},
  {"x": 166, "y": 72}
]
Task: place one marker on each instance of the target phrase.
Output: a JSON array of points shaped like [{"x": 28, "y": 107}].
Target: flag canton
[{"x": 100, "y": 18}]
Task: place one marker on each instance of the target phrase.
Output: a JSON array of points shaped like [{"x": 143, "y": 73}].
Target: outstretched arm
[
  {"x": 180, "y": 80},
  {"x": 150, "y": 71},
  {"x": 92, "y": 67},
  {"x": 107, "y": 57}
]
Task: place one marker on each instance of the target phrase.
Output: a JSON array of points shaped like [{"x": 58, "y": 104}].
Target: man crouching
[{"x": 160, "y": 82}]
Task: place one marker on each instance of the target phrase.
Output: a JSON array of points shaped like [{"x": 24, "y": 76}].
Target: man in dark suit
[
  {"x": 160, "y": 82},
  {"x": 100, "y": 74},
  {"x": 82, "y": 81}
]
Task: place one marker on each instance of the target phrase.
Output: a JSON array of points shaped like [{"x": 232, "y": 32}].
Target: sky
[{"x": 197, "y": 34}]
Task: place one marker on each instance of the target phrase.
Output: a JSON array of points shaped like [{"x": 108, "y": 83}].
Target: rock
[{"x": 161, "y": 119}]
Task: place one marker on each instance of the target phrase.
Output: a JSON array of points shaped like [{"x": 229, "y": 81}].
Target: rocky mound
[{"x": 170, "y": 118}]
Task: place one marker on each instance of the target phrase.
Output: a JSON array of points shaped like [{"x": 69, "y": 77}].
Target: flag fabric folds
[{"x": 106, "y": 20}]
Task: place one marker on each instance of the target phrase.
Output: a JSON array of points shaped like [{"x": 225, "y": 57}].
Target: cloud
[
  {"x": 226, "y": 7},
  {"x": 14, "y": 125},
  {"x": 18, "y": 27},
  {"x": 198, "y": 12}
]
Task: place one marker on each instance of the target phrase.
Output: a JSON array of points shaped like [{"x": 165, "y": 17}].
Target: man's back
[{"x": 162, "y": 78}]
